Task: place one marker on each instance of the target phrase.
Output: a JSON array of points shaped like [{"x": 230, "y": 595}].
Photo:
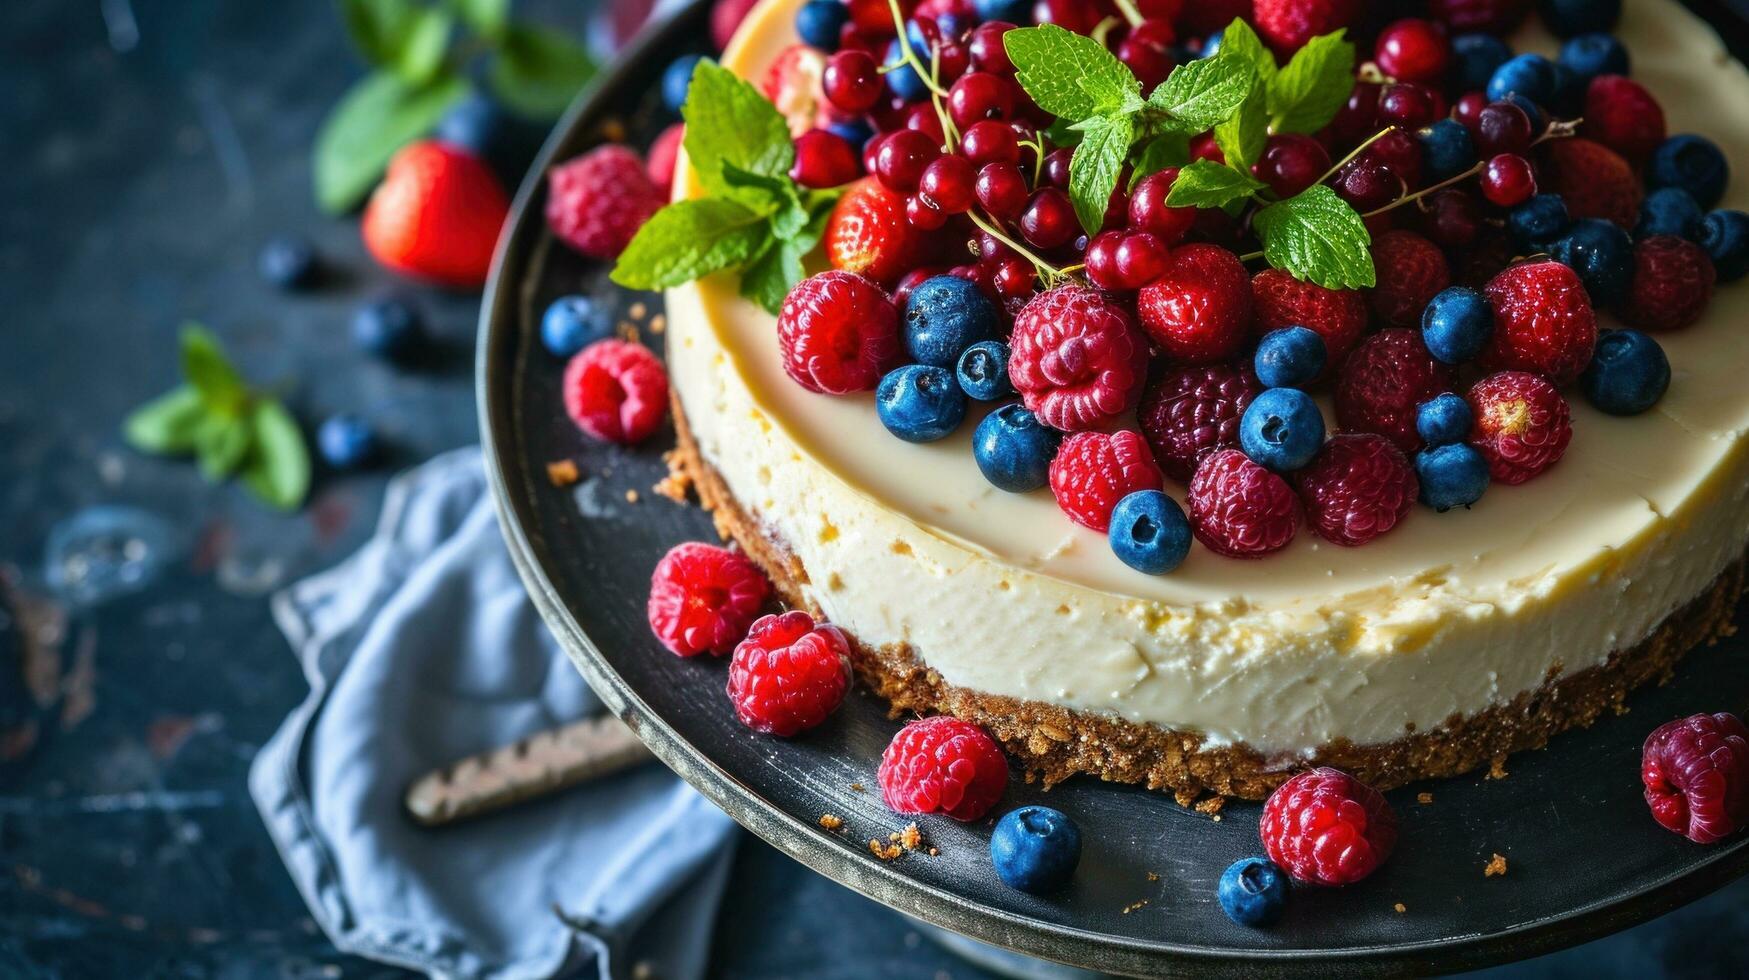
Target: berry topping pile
[
  {"x": 1325, "y": 827},
  {"x": 943, "y": 765}
]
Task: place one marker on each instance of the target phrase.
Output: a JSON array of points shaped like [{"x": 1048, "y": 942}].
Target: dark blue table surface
[{"x": 149, "y": 148}]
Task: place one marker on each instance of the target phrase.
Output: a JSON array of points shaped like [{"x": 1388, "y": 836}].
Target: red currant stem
[
  {"x": 1129, "y": 11},
  {"x": 1046, "y": 271},
  {"x": 1370, "y": 140},
  {"x": 907, "y": 55},
  {"x": 1102, "y": 29},
  {"x": 949, "y": 131},
  {"x": 1251, "y": 256},
  {"x": 1423, "y": 192},
  {"x": 1038, "y": 158}
]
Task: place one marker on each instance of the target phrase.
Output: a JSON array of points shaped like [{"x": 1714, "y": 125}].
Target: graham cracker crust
[{"x": 1053, "y": 743}]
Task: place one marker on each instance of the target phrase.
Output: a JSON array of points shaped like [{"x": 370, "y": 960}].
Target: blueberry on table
[
  {"x": 1669, "y": 211},
  {"x": 1035, "y": 849},
  {"x": 1603, "y": 256},
  {"x": 1475, "y": 58},
  {"x": 1253, "y": 891},
  {"x": 676, "y": 79},
  {"x": 1628, "y": 373},
  {"x": 572, "y": 323},
  {"x": 1693, "y": 163},
  {"x": 346, "y": 441},
  {"x": 1456, "y": 325},
  {"x": 287, "y": 261},
  {"x": 1289, "y": 358},
  {"x": 1725, "y": 236},
  {"x": 1282, "y": 429},
  {"x": 943, "y": 316},
  {"x": 388, "y": 327},
  {"x": 1013, "y": 449},
  {"x": 1149, "y": 532},
  {"x": 1444, "y": 419},
  {"x": 983, "y": 371},
  {"x": 920, "y": 402},
  {"x": 1536, "y": 223},
  {"x": 1591, "y": 55},
  {"x": 1451, "y": 476}
]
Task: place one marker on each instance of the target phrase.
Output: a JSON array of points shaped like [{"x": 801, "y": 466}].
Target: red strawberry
[
  {"x": 598, "y": 201},
  {"x": 1522, "y": 426},
  {"x": 1543, "y": 321},
  {"x": 1286, "y": 25},
  {"x": 1357, "y": 488},
  {"x": 1594, "y": 181},
  {"x": 838, "y": 332},
  {"x": 436, "y": 215},
  {"x": 1092, "y": 471},
  {"x": 1384, "y": 381},
  {"x": 1490, "y": 16},
  {"x": 869, "y": 234},
  {"x": 1337, "y": 315},
  {"x": 1078, "y": 360},
  {"x": 1192, "y": 411},
  {"x": 616, "y": 391},
  {"x": 1199, "y": 311},
  {"x": 1622, "y": 115},
  {"x": 1672, "y": 284},
  {"x": 792, "y": 84},
  {"x": 1240, "y": 509},
  {"x": 662, "y": 156},
  {"x": 1410, "y": 270}
]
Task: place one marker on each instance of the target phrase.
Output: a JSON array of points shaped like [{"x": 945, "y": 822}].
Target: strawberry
[
  {"x": 598, "y": 201},
  {"x": 1622, "y": 115},
  {"x": 1410, "y": 270},
  {"x": 792, "y": 84},
  {"x": 1594, "y": 181},
  {"x": 1543, "y": 321},
  {"x": 1522, "y": 425},
  {"x": 1672, "y": 284},
  {"x": 1199, "y": 311},
  {"x": 869, "y": 234},
  {"x": 1337, "y": 315},
  {"x": 1286, "y": 25},
  {"x": 436, "y": 215},
  {"x": 1490, "y": 16}
]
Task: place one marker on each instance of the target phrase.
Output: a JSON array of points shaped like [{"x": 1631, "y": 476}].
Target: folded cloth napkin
[{"x": 423, "y": 648}]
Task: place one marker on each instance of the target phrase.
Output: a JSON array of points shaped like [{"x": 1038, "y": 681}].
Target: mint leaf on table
[
  {"x": 1311, "y": 88},
  {"x": 221, "y": 443},
  {"x": 486, "y": 18},
  {"x": 277, "y": 469},
  {"x": 1096, "y": 164},
  {"x": 377, "y": 116},
  {"x": 729, "y": 122},
  {"x": 1199, "y": 94},
  {"x": 691, "y": 239},
  {"x": 379, "y": 28},
  {"x": 1206, "y": 184},
  {"x": 1069, "y": 74},
  {"x": 537, "y": 71},
  {"x": 168, "y": 424},
  {"x": 1318, "y": 237}
]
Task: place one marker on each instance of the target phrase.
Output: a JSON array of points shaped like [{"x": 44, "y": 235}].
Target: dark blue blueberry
[
  {"x": 1281, "y": 429},
  {"x": 819, "y": 21},
  {"x": 1447, "y": 149},
  {"x": 1211, "y": 45},
  {"x": 1567, "y": 18},
  {"x": 346, "y": 441},
  {"x": 1692, "y": 163},
  {"x": 1725, "y": 236},
  {"x": 1451, "y": 476},
  {"x": 676, "y": 79},
  {"x": 1539, "y": 120},
  {"x": 1567, "y": 98},
  {"x": 1591, "y": 55},
  {"x": 1035, "y": 849},
  {"x": 287, "y": 261},
  {"x": 1149, "y": 532},
  {"x": 943, "y": 316},
  {"x": 1530, "y": 75},
  {"x": 1475, "y": 58},
  {"x": 572, "y": 323},
  {"x": 1456, "y": 324},
  {"x": 1627, "y": 374},
  {"x": 1289, "y": 358},
  {"x": 1253, "y": 891},
  {"x": 902, "y": 78},
  {"x": 1444, "y": 419},
  {"x": 920, "y": 403},
  {"x": 1013, "y": 449},
  {"x": 951, "y": 24},
  {"x": 483, "y": 127},
  {"x": 983, "y": 371},
  {"x": 1012, "y": 11},
  {"x": 856, "y": 132},
  {"x": 1669, "y": 211},
  {"x": 388, "y": 326},
  {"x": 1601, "y": 253},
  {"x": 1535, "y": 224}
]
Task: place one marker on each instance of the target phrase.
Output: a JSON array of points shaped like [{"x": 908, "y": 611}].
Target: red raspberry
[
  {"x": 1240, "y": 509},
  {"x": 868, "y": 233},
  {"x": 1696, "y": 771},
  {"x": 616, "y": 391},
  {"x": 1622, "y": 115},
  {"x": 1357, "y": 488},
  {"x": 1542, "y": 321},
  {"x": 1092, "y": 471},
  {"x": 1410, "y": 271},
  {"x": 943, "y": 765},
  {"x": 1672, "y": 284},
  {"x": 1593, "y": 180},
  {"x": 662, "y": 156},
  {"x": 1523, "y": 424},
  {"x": 1337, "y": 315},
  {"x": 1490, "y": 16},
  {"x": 702, "y": 598},
  {"x": 789, "y": 675},
  {"x": 1325, "y": 827},
  {"x": 1384, "y": 381},
  {"x": 837, "y": 333},
  {"x": 1078, "y": 360},
  {"x": 1195, "y": 410},
  {"x": 598, "y": 201},
  {"x": 1199, "y": 311},
  {"x": 1286, "y": 25}
]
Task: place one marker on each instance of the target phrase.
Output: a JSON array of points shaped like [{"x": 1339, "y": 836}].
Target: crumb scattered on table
[
  {"x": 1400, "y": 908},
  {"x": 658, "y": 323},
  {"x": 1153, "y": 876},
  {"x": 1211, "y": 806},
  {"x": 1127, "y": 909},
  {"x": 676, "y": 484},
  {"x": 1424, "y": 798},
  {"x": 884, "y": 850},
  {"x": 831, "y": 821},
  {"x": 637, "y": 310},
  {"x": 910, "y": 838},
  {"x": 1496, "y": 866},
  {"x": 857, "y": 788},
  {"x": 631, "y": 496},
  {"x": 1497, "y": 768},
  {"x": 563, "y": 472}
]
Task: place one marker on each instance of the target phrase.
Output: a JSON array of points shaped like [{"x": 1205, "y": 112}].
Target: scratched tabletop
[{"x": 150, "y": 147}]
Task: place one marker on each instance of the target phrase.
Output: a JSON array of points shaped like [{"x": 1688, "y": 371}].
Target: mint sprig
[
  {"x": 1206, "y": 184},
  {"x": 1316, "y": 236}
]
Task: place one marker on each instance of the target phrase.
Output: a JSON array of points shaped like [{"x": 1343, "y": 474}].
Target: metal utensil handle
[{"x": 536, "y": 766}]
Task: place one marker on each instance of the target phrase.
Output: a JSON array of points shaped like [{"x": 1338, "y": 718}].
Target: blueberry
[
  {"x": 1289, "y": 358},
  {"x": 1253, "y": 891},
  {"x": 1669, "y": 211},
  {"x": 482, "y": 126},
  {"x": 1451, "y": 476},
  {"x": 1692, "y": 163},
  {"x": 1591, "y": 55},
  {"x": 1012, "y": 11},
  {"x": 983, "y": 371},
  {"x": 1447, "y": 149},
  {"x": 1601, "y": 253},
  {"x": 287, "y": 261},
  {"x": 1456, "y": 324},
  {"x": 1211, "y": 46},
  {"x": 856, "y": 132},
  {"x": 570, "y": 324},
  {"x": 943, "y": 316},
  {"x": 387, "y": 326},
  {"x": 1567, "y": 98},
  {"x": 1627, "y": 374},
  {"x": 1536, "y": 223},
  {"x": 819, "y": 21},
  {"x": 1475, "y": 58},
  {"x": 1013, "y": 449},
  {"x": 346, "y": 441},
  {"x": 1567, "y": 18},
  {"x": 1444, "y": 419},
  {"x": 920, "y": 403},
  {"x": 1281, "y": 429},
  {"x": 1530, "y": 75},
  {"x": 1725, "y": 236},
  {"x": 1035, "y": 849},
  {"x": 676, "y": 79},
  {"x": 1149, "y": 532},
  {"x": 902, "y": 78}
]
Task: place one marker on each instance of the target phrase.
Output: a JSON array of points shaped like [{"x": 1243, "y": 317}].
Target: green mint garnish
[
  {"x": 1318, "y": 237},
  {"x": 1205, "y": 184},
  {"x": 1311, "y": 88}
]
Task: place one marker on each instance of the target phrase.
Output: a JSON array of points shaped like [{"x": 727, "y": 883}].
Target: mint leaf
[
  {"x": 486, "y": 18},
  {"x": 767, "y": 280},
  {"x": 277, "y": 469},
  {"x": 1318, "y": 237},
  {"x": 204, "y": 364},
  {"x": 729, "y": 122},
  {"x": 1206, "y": 184},
  {"x": 1158, "y": 153},
  {"x": 423, "y": 45},
  {"x": 166, "y": 424},
  {"x": 221, "y": 443},
  {"x": 377, "y": 116},
  {"x": 1094, "y": 169},
  {"x": 690, "y": 239},
  {"x": 378, "y": 28},
  {"x": 1069, "y": 74},
  {"x": 1312, "y": 87},
  {"x": 1240, "y": 43},
  {"x": 1241, "y": 136},
  {"x": 762, "y": 193},
  {"x": 1199, "y": 94},
  {"x": 537, "y": 71}
]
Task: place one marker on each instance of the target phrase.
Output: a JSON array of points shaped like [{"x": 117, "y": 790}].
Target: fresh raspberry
[
  {"x": 1194, "y": 410},
  {"x": 1337, "y": 315},
  {"x": 616, "y": 391},
  {"x": 793, "y": 85},
  {"x": 1410, "y": 270},
  {"x": 703, "y": 598},
  {"x": 943, "y": 765},
  {"x": 1622, "y": 115},
  {"x": 1078, "y": 360},
  {"x": 1357, "y": 488},
  {"x": 598, "y": 201},
  {"x": 1199, "y": 310},
  {"x": 1696, "y": 772},
  {"x": 1671, "y": 286},
  {"x": 726, "y": 15},
  {"x": 1522, "y": 425},
  {"x": 663, "y": 154},
  {"x": 837, "y": 333},
  {"x": 1543, "y": 321},
  {"x": 1325, "y": 827},
  {"x": 1593, "y": 180},
  {"x": 868, "y": 233},
  {"x": 1489, "y": 16},
  {"x": 789, "y": 675},
  {"x": 1286, "y": 25},
  {"x": 1240, "y": 509},
  {"x": 1383, "y": 382},
  {"x": 436, "y": 215},
  {"x": 1092, "y": 471}
]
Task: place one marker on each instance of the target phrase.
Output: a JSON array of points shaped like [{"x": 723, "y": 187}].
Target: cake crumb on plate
[
  {"x": 563, "y": 472},
  {"x": 831, "y": 821},
  {"x": 884, "y": 850},
  {"x": 1133, "y": 906},
  {"x": 1400, "y": 908},
  {"x": 1496, "y": 866},
  {"x": 1210, "y": 806},
  {"x": 1424, "y": 798}
]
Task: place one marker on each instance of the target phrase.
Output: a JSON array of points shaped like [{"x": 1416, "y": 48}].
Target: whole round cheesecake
[{"x": 1453, "y": 640}]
